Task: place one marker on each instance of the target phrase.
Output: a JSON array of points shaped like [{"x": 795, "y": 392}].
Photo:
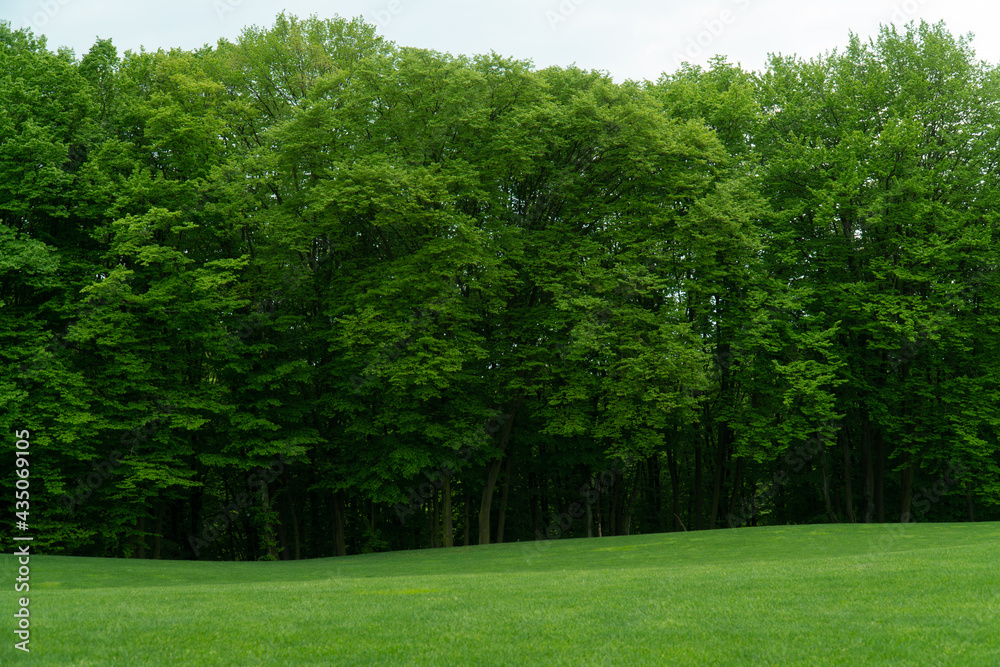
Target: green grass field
[{"x": 922, "y": 594}]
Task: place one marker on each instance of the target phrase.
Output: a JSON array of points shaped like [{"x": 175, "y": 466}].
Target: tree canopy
[{"x": 311, "y": 293}]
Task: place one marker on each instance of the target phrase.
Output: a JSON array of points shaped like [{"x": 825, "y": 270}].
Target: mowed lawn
[{"x": 921, "y": 594}]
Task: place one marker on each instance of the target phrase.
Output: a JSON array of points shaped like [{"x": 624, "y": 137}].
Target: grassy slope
[{"x": 921, "y": 594}]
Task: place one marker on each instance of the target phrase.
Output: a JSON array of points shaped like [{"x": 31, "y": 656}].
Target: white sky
[{"x": 635, "y": 39}]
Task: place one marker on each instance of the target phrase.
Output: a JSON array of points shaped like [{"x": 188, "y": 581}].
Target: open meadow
[{"x": 918, "y": 594}]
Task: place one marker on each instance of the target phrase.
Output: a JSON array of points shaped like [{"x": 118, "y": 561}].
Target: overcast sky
[{"x": 635, "y": 39}]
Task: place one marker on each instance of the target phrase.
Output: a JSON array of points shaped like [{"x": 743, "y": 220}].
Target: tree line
[{"x": 311, "y": 293}]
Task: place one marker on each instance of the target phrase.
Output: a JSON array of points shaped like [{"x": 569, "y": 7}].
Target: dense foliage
[{"x": 311, "y": 293}]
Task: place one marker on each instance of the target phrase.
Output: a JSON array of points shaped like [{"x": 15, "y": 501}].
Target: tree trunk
[
  {"x": 197, "y": 499},
  {"x": 432, "y": 518},
  {"x": 449, "y": 531},
  {"x": 296, "y": 538},
  {"x": 590, "y": 518},
  {"x": 826, "y": 488},
  {"x": 675, "y": 489},
  {"x": 848, "y": 493},
  {"x": 615, "y": 510},
  {"x": 600, "y": 527},
  {"x": 251, "y": 540},
  {"x": 968, "y": 501},
  {"x": 868, "y": 489},
  {"x": 161, "y": 510},
  {"x": 468, "y": 518},
  {"x": 543, "y": 496},
  {"x": 140, "y": 548},
  {"x": 879, "y": 476},
  {"x": 636, "y": 485},
  {"x": 269, "y": 531},
  {"x": 284, "y": 553},
  {"x": 178, "y": 512},
  {"x": 492, "y": 472},
  {"x": 699, "y": 491},
  {"x": 338, "y": 523},
  {"x": 721, "y": 455},
  {"x": 533, "y": 502},
  {"x": 737, "y": 484},
  {"x": 690, "y": 505},
  {"x": 502, "y": 518},
  {"x": 654, "y": 502},
  {"x": 907, "y": 482},
  {"x": 315, "y": 516}
]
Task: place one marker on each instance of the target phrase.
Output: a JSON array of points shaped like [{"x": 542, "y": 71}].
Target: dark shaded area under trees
[{"x": 311, "y": 293}]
